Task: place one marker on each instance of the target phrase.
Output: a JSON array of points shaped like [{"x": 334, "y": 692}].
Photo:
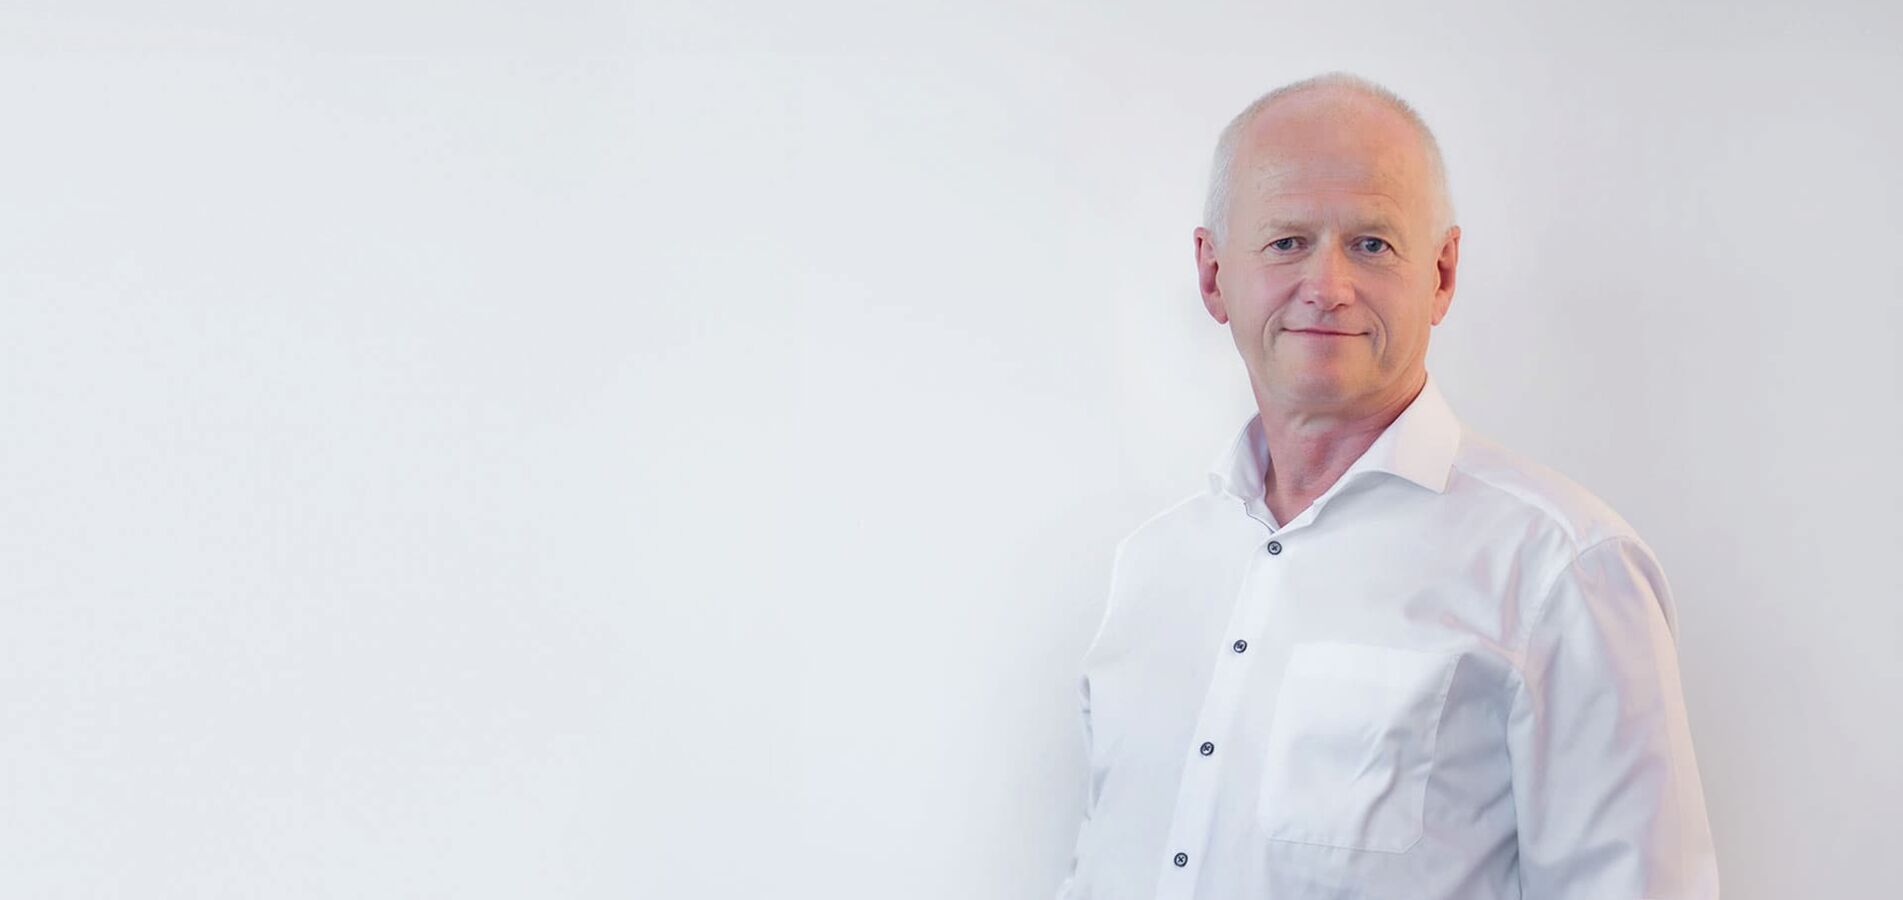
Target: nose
[{"x": 1329, "y": 281}]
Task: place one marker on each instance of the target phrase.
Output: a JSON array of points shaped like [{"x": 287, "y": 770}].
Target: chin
[{"x": 1311, "y": 386}]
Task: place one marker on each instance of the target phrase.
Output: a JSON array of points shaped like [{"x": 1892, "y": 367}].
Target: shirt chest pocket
[{"x": 1351, "y": 745}]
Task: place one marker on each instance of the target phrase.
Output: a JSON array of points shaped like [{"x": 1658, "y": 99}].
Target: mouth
[{"x": 1317, "y": 333}]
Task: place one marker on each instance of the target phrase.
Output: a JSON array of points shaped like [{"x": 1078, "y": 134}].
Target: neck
[{"x": 1309, "y": 449}]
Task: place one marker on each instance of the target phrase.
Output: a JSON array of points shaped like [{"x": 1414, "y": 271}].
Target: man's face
[{"x": 1330, "y": 275}]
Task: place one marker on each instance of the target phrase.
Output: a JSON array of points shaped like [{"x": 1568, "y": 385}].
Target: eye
[
  {"x": 1380, "y": 244},
  {"x": 1277, "y": 244}
]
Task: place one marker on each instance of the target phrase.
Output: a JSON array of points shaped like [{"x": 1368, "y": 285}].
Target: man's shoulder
[
  {"x": 1487, "y": 471},
  {"x": 1186, "y": 516}
]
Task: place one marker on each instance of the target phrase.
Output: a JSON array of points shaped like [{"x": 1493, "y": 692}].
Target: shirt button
[
  {"x": 1182, "y": 859},
  {"x": 1207, "y": 748},
  {"x": 1241, "y": 646},
  {"x": 1275, "y": 547}
]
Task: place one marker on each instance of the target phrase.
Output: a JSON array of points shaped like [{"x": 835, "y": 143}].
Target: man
[{"x": 1382, "y": 656}]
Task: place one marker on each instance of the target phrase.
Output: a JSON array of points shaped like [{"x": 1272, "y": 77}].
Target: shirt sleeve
[
  {"x": 1070, "y": 889},
  {"x": 1605, "y": 786},
  {"x": 1073, "y": 886}
]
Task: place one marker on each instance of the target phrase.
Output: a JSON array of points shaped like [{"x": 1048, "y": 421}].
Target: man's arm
[
  {"x": 1068, "y": 889},
  {"x": 1605, "y": 786},
  {"x": 1073, "y": 887}
]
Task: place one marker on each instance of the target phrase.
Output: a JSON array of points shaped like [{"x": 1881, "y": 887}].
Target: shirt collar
[{"x": 1419, "y": 445}]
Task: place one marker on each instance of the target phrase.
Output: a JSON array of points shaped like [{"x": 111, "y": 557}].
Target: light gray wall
[{"x": 675, "y": 451}]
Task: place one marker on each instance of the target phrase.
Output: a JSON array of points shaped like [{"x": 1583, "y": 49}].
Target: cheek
[
  {"x": 1403, "y": 325},
  {"x": 1264, "y": 295}
]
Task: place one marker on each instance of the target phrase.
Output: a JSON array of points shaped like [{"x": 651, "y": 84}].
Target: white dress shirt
[{"x": 1454, "y": 676}]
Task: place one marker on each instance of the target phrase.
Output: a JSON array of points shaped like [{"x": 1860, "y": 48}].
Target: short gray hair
[{"x": 1221, "y": 170}]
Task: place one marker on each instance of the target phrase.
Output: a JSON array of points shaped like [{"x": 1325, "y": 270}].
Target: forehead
[{"x": 1330, "y": 159}]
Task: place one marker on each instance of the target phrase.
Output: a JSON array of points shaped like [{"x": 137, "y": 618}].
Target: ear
[
  {"x": 1206, "y": 275},
  {"x": 1444, "y": 267}
]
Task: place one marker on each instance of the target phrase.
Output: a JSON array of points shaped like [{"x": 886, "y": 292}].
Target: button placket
[{"x": 1199, "y": 790}]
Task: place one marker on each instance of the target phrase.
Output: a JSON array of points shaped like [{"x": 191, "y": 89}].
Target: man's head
[{"x": 1328, "y": 211}]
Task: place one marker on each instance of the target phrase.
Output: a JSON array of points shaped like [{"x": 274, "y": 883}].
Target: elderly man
[{"x": 1381, "y": 656}]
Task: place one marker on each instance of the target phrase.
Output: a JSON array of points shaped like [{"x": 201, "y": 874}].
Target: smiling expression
[{"x": 1331, "y": 273}]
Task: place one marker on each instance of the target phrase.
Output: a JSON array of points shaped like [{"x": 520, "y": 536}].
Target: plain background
[{"x": 520, "y": 449}]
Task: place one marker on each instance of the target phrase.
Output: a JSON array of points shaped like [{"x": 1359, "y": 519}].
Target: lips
[{"x": 1318, "y": 331}]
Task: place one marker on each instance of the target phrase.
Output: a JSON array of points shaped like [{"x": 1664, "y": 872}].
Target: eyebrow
[{"x": 1376, "y": 223}]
